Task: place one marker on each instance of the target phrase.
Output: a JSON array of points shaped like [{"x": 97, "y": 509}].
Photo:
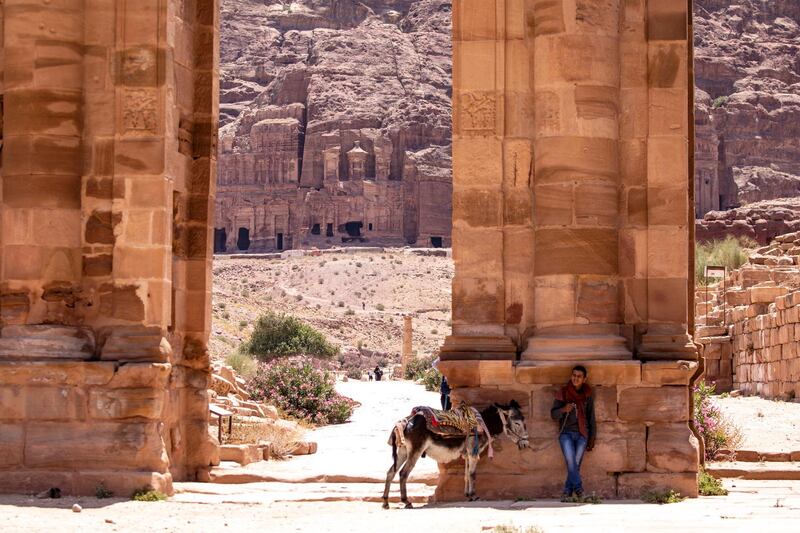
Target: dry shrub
[{"x": 281, "y": 438}]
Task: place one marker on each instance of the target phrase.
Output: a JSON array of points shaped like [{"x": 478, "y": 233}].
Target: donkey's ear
[{"x": 515, "y": 405}]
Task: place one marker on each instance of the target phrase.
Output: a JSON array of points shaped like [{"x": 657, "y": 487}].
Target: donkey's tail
[{"x": 397, "y": 438}]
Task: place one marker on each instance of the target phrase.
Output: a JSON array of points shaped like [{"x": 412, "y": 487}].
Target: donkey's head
[{"x": 513, "y": 423}]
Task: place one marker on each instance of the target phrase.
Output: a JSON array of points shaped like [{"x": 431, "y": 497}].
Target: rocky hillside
[
  {"x": 335, "y": 122},
  {"x": 747, "y": 68}
]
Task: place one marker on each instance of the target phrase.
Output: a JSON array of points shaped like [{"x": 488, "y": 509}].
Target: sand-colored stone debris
[
  {"x": 571, "y": 235},
  {"x": 108, "y": 168}
]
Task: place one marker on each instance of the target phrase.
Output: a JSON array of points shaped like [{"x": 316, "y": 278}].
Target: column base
[
  {"x": 667, "y": 347},
  {"x": 484, "y": 348},
  {"x": 576, "y": 346}
]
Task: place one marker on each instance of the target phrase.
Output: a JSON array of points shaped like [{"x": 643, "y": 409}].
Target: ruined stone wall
[
  {"x": 571, "y": 235},
  {"x": 108, "y": 169},
  {"x": 751, "y": 323}
]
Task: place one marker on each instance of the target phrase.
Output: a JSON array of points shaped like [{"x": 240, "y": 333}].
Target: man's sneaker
[
  {"x": 566, "y": 497},
  {"x": 578, "y": 494}
]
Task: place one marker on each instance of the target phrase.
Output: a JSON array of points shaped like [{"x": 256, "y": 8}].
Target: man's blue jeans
[{"x": 573, "y": 444}]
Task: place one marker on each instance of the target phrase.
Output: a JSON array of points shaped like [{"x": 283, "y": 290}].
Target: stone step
[
  {"x": 754, "y": 456},
  {"x": 749, "y": 470}
]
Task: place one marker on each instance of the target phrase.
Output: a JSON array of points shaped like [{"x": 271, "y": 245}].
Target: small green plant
[
  {"x": 299, "y": 297},
  {"x": 593, "y": 499},
  {"x": 101, "y": 492},
  {"x": 662, "y": 496},
  {"x": 434, "y": 331},
  {"x": 349, "y": 312},
  {"x": 380, "y": 307},
  {"x": 222, "y": 305},
  {"x": 719, "y": 102},
  {"x": 730, "y": 253},
  {"x": 708, "y": 485},
  {"x": 244, "y": 364},
  {"x": 245, "y": 293},
  {"x": 148, "y": 494},
  {"x": 226, "y": 315},
  {"x": 517, "y": 529},
  {"x": 243, "y": 324},
  {"x": 716, "y": 430},
  {"x": 421, "y": 369}
]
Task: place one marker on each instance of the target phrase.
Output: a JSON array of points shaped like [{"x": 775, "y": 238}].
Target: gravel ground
[{"x": 767, "y": 425}]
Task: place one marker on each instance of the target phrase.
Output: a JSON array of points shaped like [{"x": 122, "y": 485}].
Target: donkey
[{"x": 417, "y": 441}]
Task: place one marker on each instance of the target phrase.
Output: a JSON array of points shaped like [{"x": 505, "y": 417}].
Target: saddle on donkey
[{"x": 459, "y": 422}]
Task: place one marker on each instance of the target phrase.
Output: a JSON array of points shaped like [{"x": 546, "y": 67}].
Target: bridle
[{"x": 508, "y": 430}]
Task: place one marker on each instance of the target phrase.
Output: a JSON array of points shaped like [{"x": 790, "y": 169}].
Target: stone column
[
  {"x": 108, "y": 157},
  {"x": 600, "y": 275},
  {"x": 576, "y": 182}
]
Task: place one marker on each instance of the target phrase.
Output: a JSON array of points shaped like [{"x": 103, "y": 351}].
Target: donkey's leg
[
  {"x": 413, "y": 457},
  {"x": 402, "y": 456},
  {"x": 472, "y": 464}
]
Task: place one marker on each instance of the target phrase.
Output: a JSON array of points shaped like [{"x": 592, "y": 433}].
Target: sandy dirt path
[
  {"x": 357, "y": 451},
  {"x": 766, "y": 425},
  {"x": 752, "y": 505}
]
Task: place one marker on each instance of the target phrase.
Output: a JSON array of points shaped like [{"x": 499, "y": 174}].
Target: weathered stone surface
[
  {"x": 97, "y": 445},
  {"x": 634, "y": 485},
  {"x": 654, "y": 404},
  {"x": 672, "y": 448}
]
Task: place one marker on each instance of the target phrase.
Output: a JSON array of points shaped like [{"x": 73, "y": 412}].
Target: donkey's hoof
[
  {"x": 409, "y": 506},
  {"x": 385, "y": 504},
  {"x": 473, "y": 498}
]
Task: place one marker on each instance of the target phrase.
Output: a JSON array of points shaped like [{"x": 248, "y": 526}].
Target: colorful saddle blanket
[{"x": 460, "y": 422}]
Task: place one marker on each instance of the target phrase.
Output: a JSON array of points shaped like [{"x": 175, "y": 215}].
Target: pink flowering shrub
[
  {"x": 717, "y": 432},
  {"x": 301, "y": 390}
]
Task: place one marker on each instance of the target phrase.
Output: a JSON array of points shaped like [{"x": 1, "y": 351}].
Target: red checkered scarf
[{"x": 568, "y": 394}]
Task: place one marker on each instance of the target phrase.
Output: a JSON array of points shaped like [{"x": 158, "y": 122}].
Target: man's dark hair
[{"x": 580, "y": 368}]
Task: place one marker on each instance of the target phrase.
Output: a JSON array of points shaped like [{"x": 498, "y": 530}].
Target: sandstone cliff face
[
  {"x": 335, "y": 123},
  {"x": 747, "y": 68}
]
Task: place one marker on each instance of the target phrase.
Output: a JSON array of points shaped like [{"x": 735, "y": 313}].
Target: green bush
[
  {"x": 708, "y": 485},
  {"x": 148, "y": 494},
  {"x": 277, "y": 335},
  {"x": 301, "y": 390},
  {"x": 719, "y": 101},
  {"x": 101, "y": 492},
  {"x": 730, "y": 253},
  {"x": 421, "y": 369},
  {"x": 243, "y": 363}
]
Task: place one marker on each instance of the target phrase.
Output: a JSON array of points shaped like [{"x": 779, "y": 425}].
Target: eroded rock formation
[
  {"x": 336, "y": 124},
  {"x": 747, "y": 116}
]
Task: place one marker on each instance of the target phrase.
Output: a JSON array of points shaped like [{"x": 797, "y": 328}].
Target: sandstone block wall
[
  {"x": 643, "y": 439},
  {"x": 107, "y": 180},
  {"x": 751, "y": 323}
]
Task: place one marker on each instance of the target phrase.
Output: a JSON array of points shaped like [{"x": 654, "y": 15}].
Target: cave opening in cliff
[
  {"x": 220, "y": 240},
  {"x": 279, "y": 241},
  {"x": 243, "y": 241},
  {"x": 315, "y": 229},
  {"x": 329, "y": 230},
  {"x": 353, "y": 228},
  {"x": 436, "y": 242}
]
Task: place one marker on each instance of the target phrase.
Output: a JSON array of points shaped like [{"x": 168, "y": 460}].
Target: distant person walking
[
  {"x": 378, "y": 373},
  {"x": 444, "y": 393},
  {"x": 369, "y": 375}
]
